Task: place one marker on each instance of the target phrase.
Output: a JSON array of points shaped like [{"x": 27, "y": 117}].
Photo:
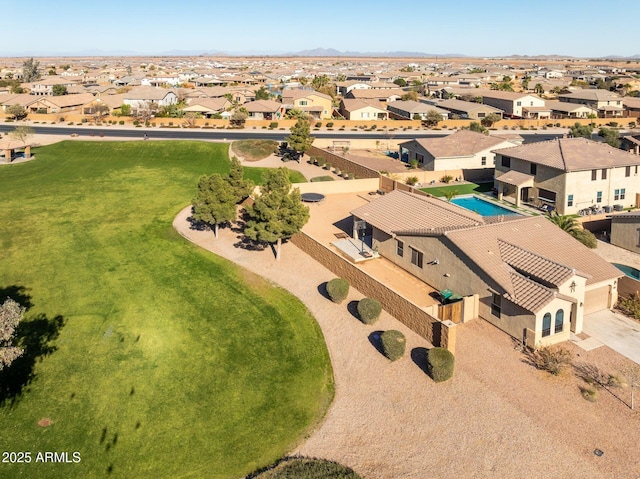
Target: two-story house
[
  {"x": 569, "y": 174},
  {"x": 607, "y": 103},
  {"x": 413, "y": 110},
  {"x": 315, "y": 104},
  {"x": 513, "y": 104}
]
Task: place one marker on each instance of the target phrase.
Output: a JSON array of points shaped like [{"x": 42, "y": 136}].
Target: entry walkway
[{"x": 616, "y": 331}]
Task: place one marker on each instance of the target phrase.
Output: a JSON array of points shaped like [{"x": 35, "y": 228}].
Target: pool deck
[{"x": 491, "y": 201}]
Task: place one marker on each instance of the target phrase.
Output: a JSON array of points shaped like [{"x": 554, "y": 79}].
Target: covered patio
[{"x": 521, "y": 181}]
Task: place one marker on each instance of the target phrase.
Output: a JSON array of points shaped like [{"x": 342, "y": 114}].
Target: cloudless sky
[{"x": 471, "y": 27}]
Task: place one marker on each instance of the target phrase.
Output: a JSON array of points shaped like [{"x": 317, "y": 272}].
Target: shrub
[
  {"x": 613, "y": 123},
  {"x": 320, "y": 162},
  {"x": 315, "y": 179},
  {"x": 327, "y": 166},
  {"x": 440, "y": 362},
  {"x": 553, "y": 359},
  {"x": 412, "y": 180},
  {"x": 318, "y": 124},
  {"x": 589, "y": 393},
  {"x": 393, "y": 344},
  {"x": 413, "y": 164},
  {"x": 338, "y": 289},
  {"x": 306, "y": 468},
  {"x": 273, "y": 124},
  {"x": 585, "y": 237},
  {"x": 446, "y": 179},
  {"x": 369, "y": 310},
  {"x": 330, "y": 124},
  {"x": 121, "y": 122}
]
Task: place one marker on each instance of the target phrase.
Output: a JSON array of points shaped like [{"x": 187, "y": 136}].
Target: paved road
[
  {"x": 616, "y": 331},
  {"x": 240, "y": 134}
]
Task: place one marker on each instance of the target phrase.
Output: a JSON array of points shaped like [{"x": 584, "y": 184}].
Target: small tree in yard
[
  {"x": 10, "y": 315},
  {"x": 432, "y": 118},
  {"x": 440, "y": 362},
  {"x": 369, "y": 310},
  {"x": 59, "y": 90},
  {"x": 239, "y": 117},
  {"x": 30, "y": 70},
  {"x": 553, "y": 359},
  {"x": 632, "y": 374},
  {"x": 610, "y": 136},
  {"x": 338, "y": 289},
  {"x": 215, "y": 202},
  {"x": 580, "y": 131},
  {"x": 490, "y": 119},
  {"x": 300, "y": 138},
  {"x": 278, "y": 213},
  {"x": 477, "y": 127},
  {"x": 18, "y": 112}
]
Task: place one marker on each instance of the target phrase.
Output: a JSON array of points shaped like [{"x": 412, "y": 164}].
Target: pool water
[
  {"x": 482, "y": 207},
  {"x": 629, "y": 271}
]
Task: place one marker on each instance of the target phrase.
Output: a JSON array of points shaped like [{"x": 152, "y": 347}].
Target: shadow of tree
[
  {"x": 376, "y": 342},
  {"x": 36, "y": 336},
  {"x": 18, "y": 294},
  {"x": 352, "y": 307},
  {"x": 322, "y": 289}
]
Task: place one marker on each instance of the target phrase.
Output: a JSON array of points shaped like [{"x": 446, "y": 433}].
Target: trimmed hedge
[
  {"x": 440, "y": 363},
  {"x": 306, "y": 468},
  {"x": 393, "y": 344},
  {"x": 369, "y": 310},
  {"x": 338, "y": 289}
]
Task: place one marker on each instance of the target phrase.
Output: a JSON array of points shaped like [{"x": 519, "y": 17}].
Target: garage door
[{"x": 596, "y": 300}]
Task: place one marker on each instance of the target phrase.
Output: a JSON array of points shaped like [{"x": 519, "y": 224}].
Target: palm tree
[{"x": 567, "y": 223}]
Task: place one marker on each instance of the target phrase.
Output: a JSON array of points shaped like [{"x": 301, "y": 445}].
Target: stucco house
[
  {"x": 562, "y": 109},
  {"x": 44, "y": 87},
  {"x": 533, "y": 280},
  {"x": 317, "y": 105},
  {"x": 207, "y": 106},
  {"x": 462, "y": 150},
  {"x": 466, "y": 109},
  {"x": 608, "y": 103},
  {"x": 363, "y": 110},
  {"x": 142, "y": 95},
  {"x": 381, "y": 95},
  {"x": 413, "y": 110},
  {"x": 632, "y": 106},
  {"x": 511, "y": 103},
  {"x": 569, "y": 174},
  {"x": 264, "y": 110}
]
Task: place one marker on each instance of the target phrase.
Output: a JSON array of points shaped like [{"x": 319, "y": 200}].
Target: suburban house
[
  {"x": 207, "y": 107},
  {"x": 139, "y": 96},
  {"x": 511, "y": 103},
  {"x": 112, "y": 102},
  {"x": 568, "y": 174},
  {"x": 561, "y": 109},
  {"x": 608, "y": 103},
  {"x": 632, "y": 106},
  {"x": 631, "y": 143},
  {"x": 316, "y": 105},
  {"x": 413, "y": 110},
  {"x": 625, "y": 231},
  {"x": 44, "y": 87},
  {"x": 264, "y": 110},
  {"x": 533, "y": 280},
  {"x": 363, "y": 110},
  {"x": 462, "y": 150},
  {"x": 369, "y": 94},
  {"x": 344, "y": 87},
  {"x": 466, "y": 109}
]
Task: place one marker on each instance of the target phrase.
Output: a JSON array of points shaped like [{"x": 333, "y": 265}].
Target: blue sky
[{"x": 474, "y": 28}]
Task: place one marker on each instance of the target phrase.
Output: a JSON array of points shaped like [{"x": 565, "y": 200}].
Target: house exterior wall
[
  {"x": 625, "y": 233},
  {"x": 513, "y": 107},
  {"x": 314, "y": 100},
  {"x": 367, "y": 113}
]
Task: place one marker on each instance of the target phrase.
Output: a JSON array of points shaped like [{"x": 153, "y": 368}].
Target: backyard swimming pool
[
  {"x": 630, "y": 271},
  {"x": 482, "y": 207}
]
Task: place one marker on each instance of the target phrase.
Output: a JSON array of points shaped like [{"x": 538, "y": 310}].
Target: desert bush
[
  {"x": 306, "y": 468},
  {"x": 369, "y": 310},
  {"x": 393, "y": 344},
  {"x": 327, "y": 166},
  {"x": 630, "y": 305},
  {"x": 589, "y": 393},
  {"x": 440, "y": 362},
  {"x": 413, "y": 164},
  {"x": 412, "y": 180},
  {"x": 338, "y": 289},
  {"x": 330, "y": 124},
  {"x": 318, "y": 124},
  {"x": 320, "y": 162},
  {"x": 273, "y": 124},
  {"x": 446, "y": 179},
  {"x": 121, "y": 122},
  {"x": 553, "y": 359}
]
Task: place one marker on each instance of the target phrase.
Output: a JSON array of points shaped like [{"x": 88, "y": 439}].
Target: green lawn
[
  {"x": 461, "y": 189},
  {"x": 165, "y": 360}
]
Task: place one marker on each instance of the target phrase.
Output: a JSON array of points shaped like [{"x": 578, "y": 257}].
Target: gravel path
[{"x": 497, "y": 418}]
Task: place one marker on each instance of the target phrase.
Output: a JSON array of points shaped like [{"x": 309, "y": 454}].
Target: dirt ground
[{"x": 499, "y": 417}]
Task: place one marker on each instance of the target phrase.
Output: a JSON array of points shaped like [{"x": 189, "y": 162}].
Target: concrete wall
[
  {"x": 628, "y": 286},
  {"x": 438, "y": 333}
]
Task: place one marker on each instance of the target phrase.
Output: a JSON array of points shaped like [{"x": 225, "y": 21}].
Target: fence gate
[{"x": 451, "y": 312}]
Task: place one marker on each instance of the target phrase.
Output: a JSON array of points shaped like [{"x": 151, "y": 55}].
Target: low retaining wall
[{"x": 438, "y": 333}]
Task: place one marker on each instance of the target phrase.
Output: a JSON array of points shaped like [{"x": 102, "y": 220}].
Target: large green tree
[
  {"x": 278, "y": 213},
  {"x": 300, "y": 138},
  {"x": 262, "y": 93},
  {"x": 18, "y": 112},
  {"x": 215, "y": 202},
  {"x": 610, "y": 136},
  {"x": 59, "y": 90},
  {"x": 10, "y": 315},
  {"x": 432, "y": 118},
  {"x": 30, "y": 70},
  {"x": 571, "y": 225},
  {"x": 240, "y": 186},
  {"x": 581, "y": 131},
  {"x": 490, "y": 119}
]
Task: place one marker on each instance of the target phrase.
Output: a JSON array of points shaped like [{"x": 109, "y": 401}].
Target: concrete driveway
[{"x": 616, "y": 331}]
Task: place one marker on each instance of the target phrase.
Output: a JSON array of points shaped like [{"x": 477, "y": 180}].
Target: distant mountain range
[{"x": 316, "y": 52}]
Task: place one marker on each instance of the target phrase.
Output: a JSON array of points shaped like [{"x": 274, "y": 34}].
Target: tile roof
[
  {"x": 350, "y": 104},
  {"x": 401, "y": 212},
  {"x": 411, "y": 106},
  {"x": 460, "y": 143},
  {"x": 591, "y": 94},
  {"x": 466, "y": 106},
  {"x": 515, "y": 178},
  {"x": 528, "y": 294},
  {"x": 259, "y": 106},
  {"x": 571, "y": 154}
]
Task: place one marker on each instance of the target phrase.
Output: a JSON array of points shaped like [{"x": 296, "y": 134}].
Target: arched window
[
  {"x": 546, "y": 325},
  {"x": 559, "y": 321}
]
